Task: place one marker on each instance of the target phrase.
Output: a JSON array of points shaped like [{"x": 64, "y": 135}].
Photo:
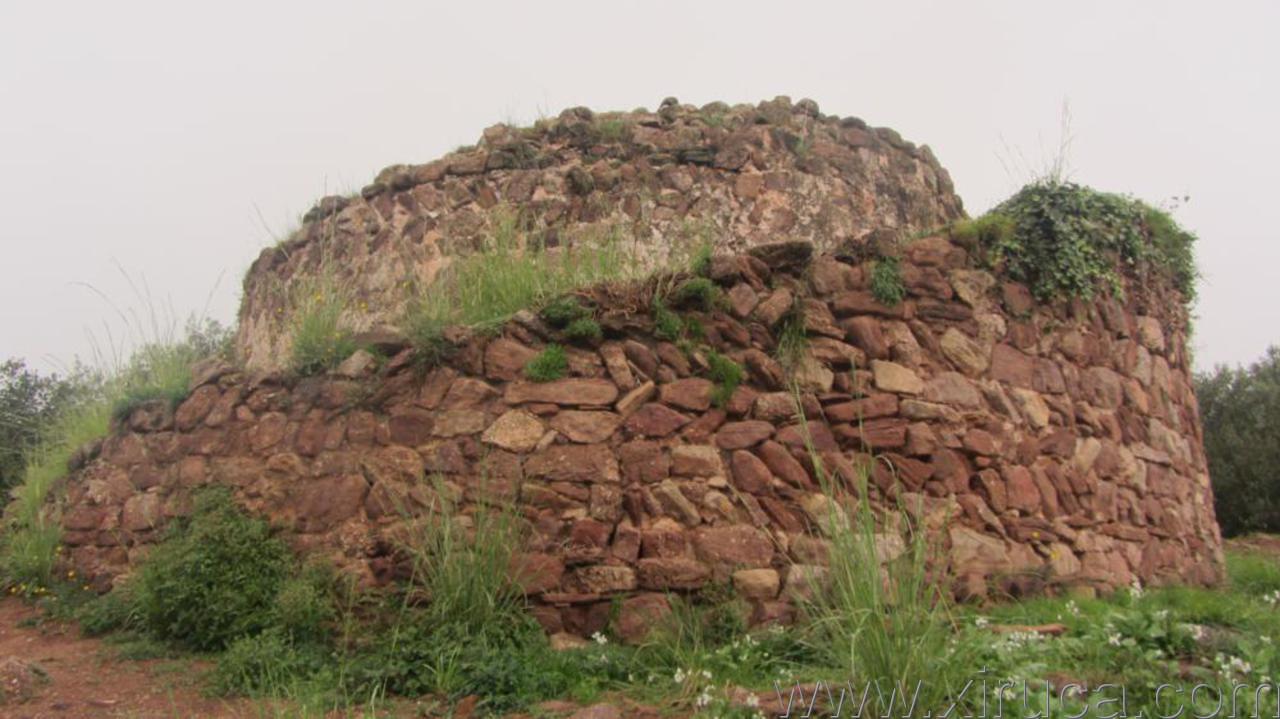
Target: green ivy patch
[{"x": 1067, "y": 240}]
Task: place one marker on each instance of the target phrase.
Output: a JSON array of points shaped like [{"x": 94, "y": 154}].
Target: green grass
[
  {"x": 319, "y": 338},
  {"x": 548, "y": 365},
  {"x": 886, "y": 282},
  {"x": 584, "y": 329},
  {"x": 157, "y": 370},
  {"x": 667, "y": 325},
  {"x": 513, "y": 271},
  {"x": 699, "y": 293},
  {"x": 727, "y": 375}
]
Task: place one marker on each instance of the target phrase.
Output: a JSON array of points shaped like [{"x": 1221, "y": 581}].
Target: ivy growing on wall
[{"x": 1067, "y": 240}]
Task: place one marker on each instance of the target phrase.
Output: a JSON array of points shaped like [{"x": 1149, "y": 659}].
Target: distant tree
[
  {"x": 1240, "y": 410},
  {"x": 29, "y": 403}
]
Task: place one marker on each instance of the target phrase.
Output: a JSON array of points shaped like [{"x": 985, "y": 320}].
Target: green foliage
[
  {"x": 266, "y": 664},
  {"x": 1065, "y": 240},
  {"x": 426, "y": 334},
  {"x": 30, "y": 404},
  {"x": 112, "y": 612},
  {"x": 1240, "y": 412},
  {"x": 214, "y": 579},
  {"x": 612, "y": 129},
  {"x": 320, "y": 341},
  {"x": 990, "y": 230},
  {"x": 514, "y": 271},
  {"x": 548, "y": 365},
  {"x": 886, "y": 281},
  {"x": 727, "y": 375},
  {"x": 584, "y": 330},
  {"x": 667, "y": 325},
  {"x": 700, "y": 264},
  {"x": 793, "y": 339},
  {"x": 159, "y": 369},
  {"x": 698, "y": 292},
  {"x": 304, "y": 606},
  {"x": 563, "y": 311}
]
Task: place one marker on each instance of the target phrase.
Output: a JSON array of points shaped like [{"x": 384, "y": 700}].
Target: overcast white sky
[{"x": 149, "y": 135}]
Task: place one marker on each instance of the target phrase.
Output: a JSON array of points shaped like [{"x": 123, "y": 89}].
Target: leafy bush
[
  {"x": 1240, "y": 412},
  {"x": 426, "y": 333},
  {"x": 213, "y": 579},
  {"x": 304, "y": 606},
  {"x": 30, "y": 404},
  {"x": 727, "y": 375},
  {"x": 886, "y": 281},
  {"x": 548, "y": 365},
  {"x": 1065, "y": 240}
]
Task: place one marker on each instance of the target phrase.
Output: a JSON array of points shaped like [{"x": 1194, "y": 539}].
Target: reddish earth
[{"x": 85, "y": 679}]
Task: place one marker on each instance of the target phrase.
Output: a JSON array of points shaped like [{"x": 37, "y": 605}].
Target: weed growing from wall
[
  {"x": 548, "y": 365},
  {"x": 320, "y": 339},
  {"x": 886, "y": 281}
]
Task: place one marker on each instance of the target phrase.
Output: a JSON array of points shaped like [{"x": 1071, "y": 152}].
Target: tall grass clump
[
  {"x": 320, "y": 340},
  {"x": 512, "y": 271},
  {"x": 881, "y": 618},
  {"x": 159, "y": 369},
  {"x": 472, "y": 634}
]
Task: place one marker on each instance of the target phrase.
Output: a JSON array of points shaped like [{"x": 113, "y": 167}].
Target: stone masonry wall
[
  {"x": 1045, "y": 447},
  {"x": 747, "y": 174}
]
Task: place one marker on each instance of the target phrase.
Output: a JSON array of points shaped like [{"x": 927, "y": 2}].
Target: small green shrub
[
  {"x": 304, "y": 606},
  {"x": 320, "y": 341},
  {"x": 549, "y": 364},
  {"x": 563, "y": 311},
  {"x": 115, "y": 611},
  {"x": 698, "y": 292},
  {"x": 584, "y": 330},
  {"x": 727, "y": 375},
  {"x": 426, "y": 334},
  {"x": 987, "y": 231},
  {"x": 886, "y": 281},
  {"x": 213, "y": 580},
  {"x": 266, "y": 664},
  {"x": 667, "y": 325},
  {"x": 612, "y": 129}
]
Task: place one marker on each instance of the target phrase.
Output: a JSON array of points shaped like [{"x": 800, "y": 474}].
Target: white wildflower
[
  {"x": 1115, "y": 639},
  {"x": 680, "y": 676},
  {"x": 1072, "y": 608},
  {"x": 1273, "y": 598},
  {"x": 981, "y": 622},
  {"x": 704, "y": 698},
  {"x": 599, "y": 638},
  {"x": 706, "y": 675},
  {"x": 752, "y": 701}
]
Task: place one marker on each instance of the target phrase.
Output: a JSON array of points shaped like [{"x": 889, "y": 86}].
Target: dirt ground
[{"x": 83, "y": 678}]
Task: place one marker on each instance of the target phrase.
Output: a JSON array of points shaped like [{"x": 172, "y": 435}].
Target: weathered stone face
[
  {"x": 1049, "y": 441},
  {"x": 754, "y": 174}
]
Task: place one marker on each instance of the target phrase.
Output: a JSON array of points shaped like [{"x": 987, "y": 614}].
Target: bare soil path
[{"x": 63, "y": 674}]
